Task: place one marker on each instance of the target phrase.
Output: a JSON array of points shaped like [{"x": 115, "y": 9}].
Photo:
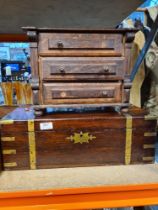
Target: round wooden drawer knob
[
  {"x": 60, "y": 44},
  {"x": 105, "y": 93},
  {"x": 63, "y": 94},
  {"x": 106, "y": 69},
  {"x": 62, "y": 70}
]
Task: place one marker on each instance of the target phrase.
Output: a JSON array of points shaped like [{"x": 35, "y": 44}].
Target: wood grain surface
[
  {"x": 73, "y": 57},
  {"x": 81, "y": 68},
  {"x": 77, "y": 139}
]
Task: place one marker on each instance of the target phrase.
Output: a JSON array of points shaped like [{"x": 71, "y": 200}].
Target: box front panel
[{"x": 79, "y": 147}]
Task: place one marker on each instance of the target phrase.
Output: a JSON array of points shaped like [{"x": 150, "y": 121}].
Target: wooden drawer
[
  {"x": 59, "y": 93},
  {"x": 89, "y": 68},
  {"x": 81, "y": 43}
]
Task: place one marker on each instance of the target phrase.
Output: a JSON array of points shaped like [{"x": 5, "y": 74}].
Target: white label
[
  {"x": 46, "y": 126},
  {"x": 8, "y": 71}
]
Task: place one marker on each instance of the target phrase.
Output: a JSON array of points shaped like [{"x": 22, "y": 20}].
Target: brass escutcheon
[{"x": 81, "y": 137}]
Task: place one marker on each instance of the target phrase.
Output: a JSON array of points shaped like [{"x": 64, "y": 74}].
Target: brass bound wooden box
[
  {"x": 80, "y": 67},
  {"x": 74, "y": 139}
]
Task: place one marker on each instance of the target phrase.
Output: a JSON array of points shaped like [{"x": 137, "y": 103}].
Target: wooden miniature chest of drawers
[{"x": 78, "y": 67}]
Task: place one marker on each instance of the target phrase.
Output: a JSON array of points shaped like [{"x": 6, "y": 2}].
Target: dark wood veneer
[{"x": 54, "y": 147}]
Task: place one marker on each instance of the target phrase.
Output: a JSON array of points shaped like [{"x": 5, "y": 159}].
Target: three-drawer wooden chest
[
  {"x": 76, "y": 139},
  {"x": 80, "y": 67}
]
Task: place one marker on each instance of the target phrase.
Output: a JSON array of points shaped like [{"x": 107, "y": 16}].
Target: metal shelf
[
  {"x": 81, "y": 198},
  {"x": 79, "y": 188}
]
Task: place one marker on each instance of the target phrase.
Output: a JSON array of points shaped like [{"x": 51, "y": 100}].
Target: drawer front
[
  {"x": 66, "y": 68},
  {"x": 108, "y": 43},
  {"x": 59, "y": 93}
]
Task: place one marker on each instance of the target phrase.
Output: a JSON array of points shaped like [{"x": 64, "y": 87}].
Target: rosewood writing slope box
[
  {"x": 76, "y": 139},
  {"x": 73, "y": 67}
]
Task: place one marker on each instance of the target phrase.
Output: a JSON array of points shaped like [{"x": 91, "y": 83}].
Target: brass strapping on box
[
  {"x": 31, "y": 126},
  {"x": 8, "y": 138},
  {"x": 32, "y": 144},
  {"x": 10, "y": 165},
  {"x": 148, "y": 158},
  {"x": 6, "y": 122},
  {"x": 9, "y": 152},
  {"x": 128, "y": 146},
  {"x": 150, "y": 134},
  {"x": 149, "y": 146}
]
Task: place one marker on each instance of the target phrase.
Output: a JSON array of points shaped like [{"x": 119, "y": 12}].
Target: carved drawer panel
[
  {"x": 77, "y": 93},
  {"x": 72, "y": 68},
  {"x": 61, "y": 43}
]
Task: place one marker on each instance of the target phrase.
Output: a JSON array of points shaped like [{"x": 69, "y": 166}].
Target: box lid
[{"x": 100, "y": 119}]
